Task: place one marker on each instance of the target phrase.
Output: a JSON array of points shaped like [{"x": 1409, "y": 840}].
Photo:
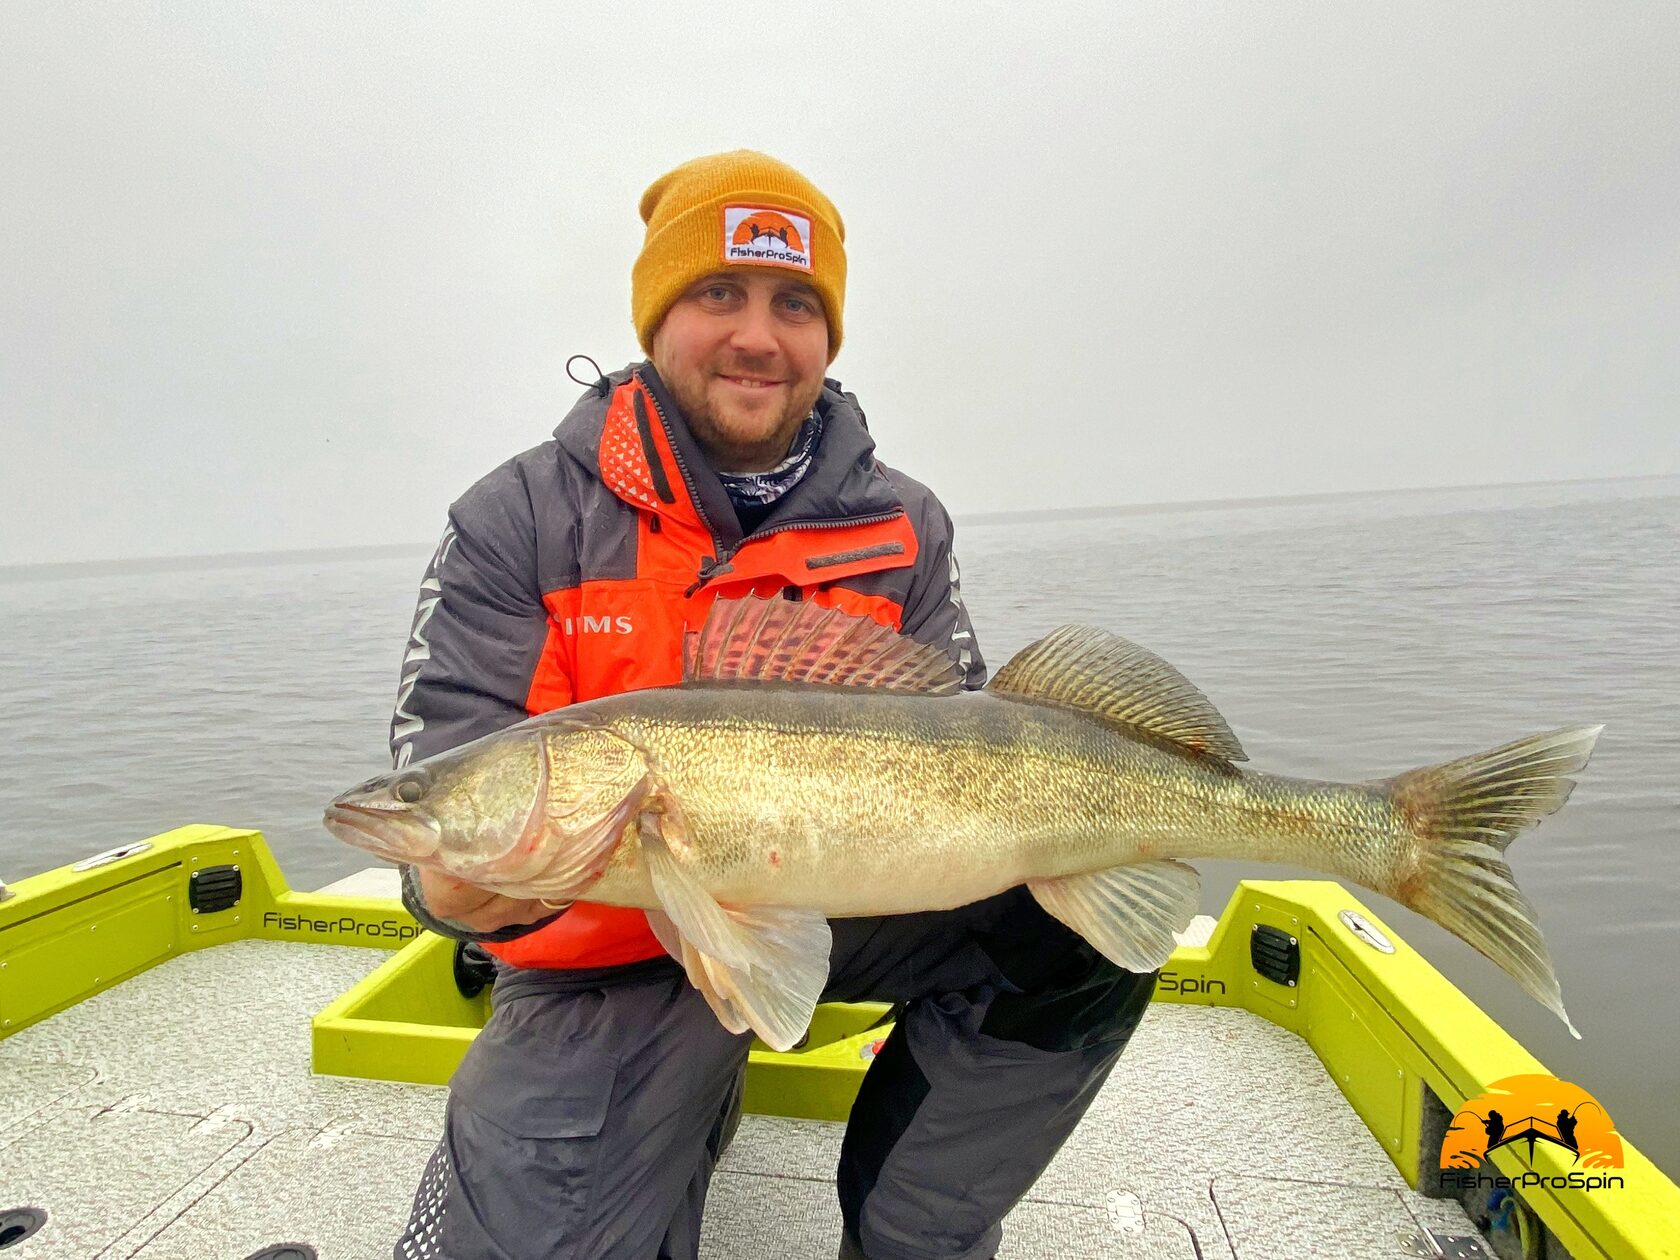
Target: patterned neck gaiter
[{"x": 767, "y": 487}]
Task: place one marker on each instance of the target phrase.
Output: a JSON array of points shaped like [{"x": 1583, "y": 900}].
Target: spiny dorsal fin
[
  {"x": 796, "y": 641},
  {"x": 1081, "y": 667}
]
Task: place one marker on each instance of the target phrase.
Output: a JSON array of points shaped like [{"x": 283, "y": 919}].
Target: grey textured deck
[{"x": 175, "y": 1118}]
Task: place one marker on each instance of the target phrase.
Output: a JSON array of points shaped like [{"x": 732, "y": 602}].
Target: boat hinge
[{"x": 1427, "y": 1242}]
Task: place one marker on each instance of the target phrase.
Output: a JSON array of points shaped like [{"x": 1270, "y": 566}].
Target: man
[{"x": 589, "y": 1114}]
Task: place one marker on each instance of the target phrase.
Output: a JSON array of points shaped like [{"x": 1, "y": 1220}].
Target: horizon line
[{"x": 228, "y": 559}]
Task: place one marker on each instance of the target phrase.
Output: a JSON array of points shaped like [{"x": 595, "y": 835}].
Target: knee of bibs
[{"x": 1069, "y": 999}]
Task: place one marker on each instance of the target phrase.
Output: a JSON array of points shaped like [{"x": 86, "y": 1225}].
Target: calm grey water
[{"x": 1345, "y": 639}]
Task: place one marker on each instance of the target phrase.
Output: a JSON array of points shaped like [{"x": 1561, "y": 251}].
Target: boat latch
[
  {"x": 214, "y": 888},
  {"x": 1275, "y": 954},
  {"x": 1366, "y": 931},
  {"x": 1426, "y": 1242},
  {"x": 1125, "y": 1213},
  {"x": 112, "y": 855}
]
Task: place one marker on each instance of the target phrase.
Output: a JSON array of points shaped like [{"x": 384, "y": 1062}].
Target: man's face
[{"x": 743, "y": 352}]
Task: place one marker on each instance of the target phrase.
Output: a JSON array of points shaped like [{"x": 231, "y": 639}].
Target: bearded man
[{"x": 589, "y": 1114}]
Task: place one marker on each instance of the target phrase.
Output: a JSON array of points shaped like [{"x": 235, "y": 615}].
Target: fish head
[
  {"x": 547, "y": 799},
  {"x": 456, "y": 810}
]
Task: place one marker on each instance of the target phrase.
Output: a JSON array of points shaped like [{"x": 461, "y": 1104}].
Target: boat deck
[{"x": 175, "y": 1117}]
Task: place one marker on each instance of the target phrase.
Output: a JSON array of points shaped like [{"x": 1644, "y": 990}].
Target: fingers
[{"x": 474, "y": 908}]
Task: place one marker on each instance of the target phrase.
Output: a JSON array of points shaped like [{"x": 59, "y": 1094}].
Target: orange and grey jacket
[{"x": 573, "y": 570}]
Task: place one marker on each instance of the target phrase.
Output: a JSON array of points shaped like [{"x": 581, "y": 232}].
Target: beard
[{"x": 737, "y": 437}]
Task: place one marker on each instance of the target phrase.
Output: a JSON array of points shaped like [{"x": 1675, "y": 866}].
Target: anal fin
[{"x": 1128, "y": 913}]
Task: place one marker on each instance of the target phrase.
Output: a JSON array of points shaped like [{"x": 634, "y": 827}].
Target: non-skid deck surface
[{"x": 175, "y": 1117}]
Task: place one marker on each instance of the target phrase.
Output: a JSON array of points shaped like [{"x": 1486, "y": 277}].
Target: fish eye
[{"x": 409, "y": 789}]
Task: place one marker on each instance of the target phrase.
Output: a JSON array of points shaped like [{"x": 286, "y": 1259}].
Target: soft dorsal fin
[
  {"x": 796, "y": 641},
  {"x": 1081, "y": 667}
]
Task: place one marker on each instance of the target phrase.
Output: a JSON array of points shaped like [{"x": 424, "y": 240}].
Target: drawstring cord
[{"x": 600, "y": 384}]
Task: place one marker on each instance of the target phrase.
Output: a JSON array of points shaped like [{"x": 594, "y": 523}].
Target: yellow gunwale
[{"x": 1389, "y": 1028}]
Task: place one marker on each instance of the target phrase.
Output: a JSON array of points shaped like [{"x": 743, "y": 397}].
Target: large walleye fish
[{"x": 814, "y": 765}]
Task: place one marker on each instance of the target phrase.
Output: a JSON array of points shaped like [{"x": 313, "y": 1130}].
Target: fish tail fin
[{"x": 1464, "y": 814}]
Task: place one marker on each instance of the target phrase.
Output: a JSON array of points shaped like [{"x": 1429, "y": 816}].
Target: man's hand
[{"x": 474, "y": 908}]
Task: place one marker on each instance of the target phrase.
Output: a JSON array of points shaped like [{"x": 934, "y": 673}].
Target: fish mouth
[{"x": 397, "y": 834}]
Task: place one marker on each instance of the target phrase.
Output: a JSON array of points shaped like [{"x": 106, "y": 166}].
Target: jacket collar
[{"x": 845, "y": 482}]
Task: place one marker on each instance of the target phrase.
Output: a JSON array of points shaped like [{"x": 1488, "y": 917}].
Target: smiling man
[
  {"x": 743, "y": 354},
  {"x": 588, "y": 1116}
]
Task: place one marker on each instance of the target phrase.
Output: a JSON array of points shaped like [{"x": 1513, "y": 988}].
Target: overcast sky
[{"x": 294, "y": 275}]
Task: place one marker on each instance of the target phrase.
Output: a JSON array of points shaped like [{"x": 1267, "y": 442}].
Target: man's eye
[{"x": 718, "y": 293}]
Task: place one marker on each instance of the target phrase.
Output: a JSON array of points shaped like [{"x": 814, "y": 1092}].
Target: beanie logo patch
[{"x": 756, "y": 234}]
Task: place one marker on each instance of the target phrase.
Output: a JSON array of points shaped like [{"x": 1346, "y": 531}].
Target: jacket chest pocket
[{"x": 625, "y": 636}]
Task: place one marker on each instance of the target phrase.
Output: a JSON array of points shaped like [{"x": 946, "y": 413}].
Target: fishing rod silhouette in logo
[
  {"x": 1579, "y": 1124},
  {"x": 755, "y": 231},
  {"x": 1532, "y": 1129}
]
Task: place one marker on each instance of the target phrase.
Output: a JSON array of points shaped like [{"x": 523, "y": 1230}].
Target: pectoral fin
[
  {"x": 759, "y": 967},
  {"x": 1128, "y": 913}
]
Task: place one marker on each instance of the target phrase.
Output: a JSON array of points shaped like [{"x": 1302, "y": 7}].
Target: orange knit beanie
[{"x": 735, "y": 210}]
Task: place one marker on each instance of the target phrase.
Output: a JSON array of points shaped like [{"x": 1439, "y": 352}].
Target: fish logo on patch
[{"x": 757, "y": 234}]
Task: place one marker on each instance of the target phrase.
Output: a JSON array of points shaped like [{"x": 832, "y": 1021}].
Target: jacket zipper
[
  {"x": 717, "y": 565},
  {"x": 693, "y": 492},
  {"x": 876, "y": 519},
  {"x": 712, "y": 567}
]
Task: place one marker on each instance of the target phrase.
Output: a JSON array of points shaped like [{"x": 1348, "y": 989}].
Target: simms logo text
[
  {"x": 596, "y": 625},
  {"x": 344, "y": 925}
]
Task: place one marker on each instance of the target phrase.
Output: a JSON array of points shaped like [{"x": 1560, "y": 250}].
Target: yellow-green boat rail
[{"x": 1404, "y": 1045}]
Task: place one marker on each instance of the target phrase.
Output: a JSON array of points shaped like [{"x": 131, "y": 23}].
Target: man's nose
[{"x": 755, "y": 330}]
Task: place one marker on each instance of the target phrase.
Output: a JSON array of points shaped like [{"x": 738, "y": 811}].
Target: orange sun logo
[
  {"x": 1528, "y": 1111},
  {"x": 766, "y": 226}
]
